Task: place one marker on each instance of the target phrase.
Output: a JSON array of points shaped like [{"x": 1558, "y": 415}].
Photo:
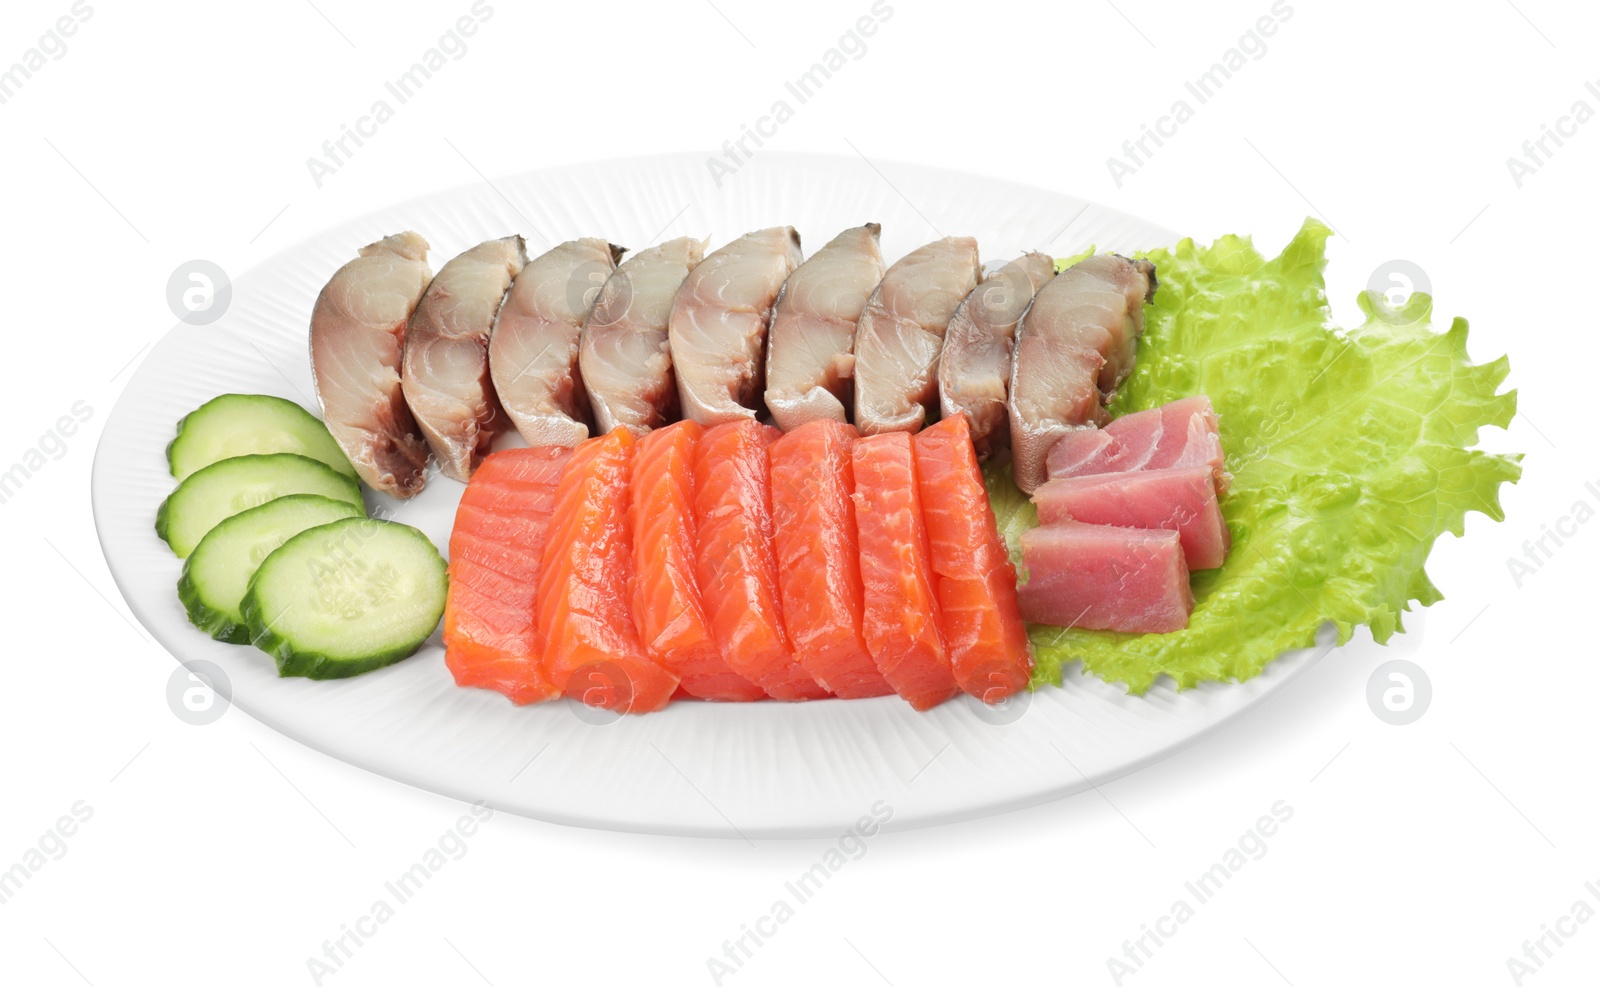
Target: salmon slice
[
  {"x": 973, "y": 576},
  {"x": 819, "y": 567},
  {"x": 585, "y": 604},
  {"x": 900, "y": 611},
  {"x": 491, "y": 639},
  {"x": 736, "y": 565},
  {"x": 667, "y": 609}
]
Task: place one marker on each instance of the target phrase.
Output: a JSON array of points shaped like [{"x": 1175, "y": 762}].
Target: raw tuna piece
[
  {"x": 1181, "y": 500},
  {"x": 1105, "y": 578},
  {"x": 900, "y": 612},
  {"x": 973, "y": 575},
  {"x": 1178, "y": 434},
  {"x": 585, "y": 604},
  {"x": 819, "y": 557}
]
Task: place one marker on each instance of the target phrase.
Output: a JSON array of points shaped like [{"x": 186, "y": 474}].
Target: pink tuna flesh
[
  {"x": 1181, "y": 500},
  {"x": 1105, "y": 578},
  {"x": 1179, "y": 434},
  {"x": 1190, "y": 438}
]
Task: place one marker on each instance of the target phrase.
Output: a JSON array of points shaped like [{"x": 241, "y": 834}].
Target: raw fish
[
  {"x": 1182, "y": 500},
  {"x": 626, "y": 364},
  {"x": 718, "y": 328},
  {"x": 973, "y": 576},
  {"x": 738, "y": 570},
  {"x": 585, "y": 603},
  {"x": 1075, "y": 345},
  {"x": 667, "y": 607},
  {"x": 811, "y": 345},
  {"x": 975, "y": 364},
  {"x": 444, "y": 370},
  {"x": 1178, "y": 434},
  {"x": 491, "y": 631},
  {"x": 819, "y": 557},
  {"x": 900, "y": 607},
  {"x": 533, "y": 351},
  {"x": 902, "y": 331},
  {"x": 358, "y": 329},
  {"x": 1105, "y": 578}
]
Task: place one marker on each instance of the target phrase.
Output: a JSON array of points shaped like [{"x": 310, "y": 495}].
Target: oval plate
[{"x": 745, "y": 770}]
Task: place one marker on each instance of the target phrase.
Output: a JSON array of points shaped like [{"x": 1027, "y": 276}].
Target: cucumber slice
[
  {"x": 218, "y": 571},
  {"x": 249, "y": 425},
  {"x": 223, "y": 489},
  {"x": 345, "y": 598}
]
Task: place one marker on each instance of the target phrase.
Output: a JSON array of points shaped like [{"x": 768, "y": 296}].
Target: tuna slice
[
  {"x": 1074, "y": 347},
  {"x": 533, "y": 351},
  {"x": 811, "y": 345},
  {"x": 1081, "y": 451},
  {"x": 358, "y": 329},
  {"x": 1176, "y": 435},
  {"x": 445, "y": 368},
  {"x": 623, "y": 356},
  {"x": 975, "y": 364},
  {"x": 1105, "y": 578},
  {"x": 1181, "y": 500},
  {"x": 902, "y": 331},
  {"x": 718, "y": 327}
]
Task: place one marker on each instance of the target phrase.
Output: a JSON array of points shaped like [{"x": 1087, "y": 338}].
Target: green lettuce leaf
[{"x": 1350, "y": 453}]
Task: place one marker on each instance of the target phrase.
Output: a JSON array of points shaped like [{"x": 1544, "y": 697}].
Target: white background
[{"x": 228, "y": 854}]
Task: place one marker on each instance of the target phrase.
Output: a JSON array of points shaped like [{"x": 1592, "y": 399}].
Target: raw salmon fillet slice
[
  {"x": 738, "y": 572},
  {"x": 819, "y": 558},
  {"x": 667, "y": 609},
  {"x": 973, "y": 576},
  {"x": 491, "y": 639},
  {"x": 585, "y": 601},
  {"x": 900, "y": 610}
]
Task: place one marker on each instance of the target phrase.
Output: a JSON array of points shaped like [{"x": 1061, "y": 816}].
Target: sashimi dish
[{"x": 741, "y": 474}]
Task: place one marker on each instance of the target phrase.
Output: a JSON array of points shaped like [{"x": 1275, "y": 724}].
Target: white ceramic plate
[{"x": 744, "y": 770}]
